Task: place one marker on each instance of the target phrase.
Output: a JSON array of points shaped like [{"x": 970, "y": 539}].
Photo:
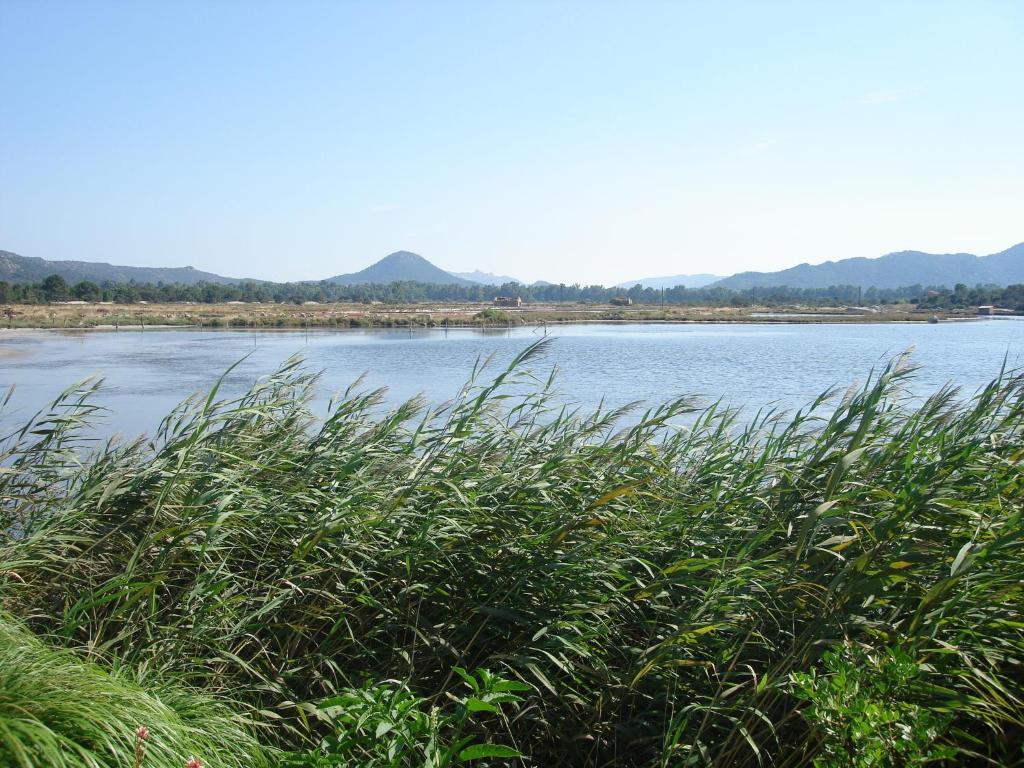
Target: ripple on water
[{"x": 753, "y": 365}]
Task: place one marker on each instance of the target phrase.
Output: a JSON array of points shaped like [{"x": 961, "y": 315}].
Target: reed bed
[{"x": 673, "y": 586}]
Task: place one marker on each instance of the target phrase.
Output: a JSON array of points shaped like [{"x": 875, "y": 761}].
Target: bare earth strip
[{"x": 237, "y": 315}]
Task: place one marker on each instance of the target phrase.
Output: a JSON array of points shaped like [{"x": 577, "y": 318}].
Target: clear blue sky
[{"x": 569, "y": 141}]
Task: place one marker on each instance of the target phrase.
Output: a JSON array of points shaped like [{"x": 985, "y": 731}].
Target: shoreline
[
  {"x": 493, "y": 327},
  {"x": 135, "y": 318}
]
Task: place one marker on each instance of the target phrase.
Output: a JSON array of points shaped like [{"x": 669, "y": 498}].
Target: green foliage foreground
[
  {"x": 57, "y": 710},
  {"x": 837, "y": 587}
]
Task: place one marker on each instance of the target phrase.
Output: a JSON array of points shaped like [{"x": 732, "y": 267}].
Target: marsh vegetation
[{"x": 501, "y": 580}]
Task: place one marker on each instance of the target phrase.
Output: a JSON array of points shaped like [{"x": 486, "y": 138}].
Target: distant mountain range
[
  {"x": 690, "y": 281},
  {"x": 31, "y": 269},
  {"x": 893, "y": 270},
  {"x": 485, "y": 278},
  {"x": 400, "y": 266}
]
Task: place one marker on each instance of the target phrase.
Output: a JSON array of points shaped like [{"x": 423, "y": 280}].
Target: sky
[{"x": 591, "y": 142}]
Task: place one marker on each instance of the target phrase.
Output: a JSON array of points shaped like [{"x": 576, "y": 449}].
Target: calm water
[{"x": 751, "y": 365}]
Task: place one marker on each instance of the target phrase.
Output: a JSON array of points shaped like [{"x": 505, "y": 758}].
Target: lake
[{"x": 752, "y": 365}]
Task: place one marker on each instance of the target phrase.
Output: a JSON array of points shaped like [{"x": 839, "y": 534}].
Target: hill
[
  {"x": 893, "y": 270},
  {"x": 671, "y": 281},
  {"x": 400, "y": 266},
  {"x": 32, "y": 269}
]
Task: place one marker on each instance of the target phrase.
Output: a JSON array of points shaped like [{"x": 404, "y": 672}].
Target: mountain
[
  {"x": 893, "y": 270},
  {"x": 32, "y": 269},
  {"x": 400, "y": 266},
  {"x": 485, "y": 278},
  {"x": 690, "y": 281}
]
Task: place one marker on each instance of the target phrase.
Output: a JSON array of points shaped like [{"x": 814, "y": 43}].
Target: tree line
[{"x": 56, "y": 289}]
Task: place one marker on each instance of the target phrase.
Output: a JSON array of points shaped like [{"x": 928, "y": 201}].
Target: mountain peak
[
  {"x": 400, "y": 266},
  {"x": 402, "y": 256}
]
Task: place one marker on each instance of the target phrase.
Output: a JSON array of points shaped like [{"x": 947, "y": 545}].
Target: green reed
[{"x": 659, "y": 578}]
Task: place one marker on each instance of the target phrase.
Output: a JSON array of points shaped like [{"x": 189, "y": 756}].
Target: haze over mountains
[
  {"x": 671, "y": 281},
  {"x": 486, "y": 278},
  {"x": 32, "y": 269},
  {"x": 893, "y": 270}
]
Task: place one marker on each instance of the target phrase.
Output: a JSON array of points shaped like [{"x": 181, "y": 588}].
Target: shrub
[
  {"x": 863, "y": 711},
  {"x": 492, "y": 315},
  {"x": 385, "y": 725}
]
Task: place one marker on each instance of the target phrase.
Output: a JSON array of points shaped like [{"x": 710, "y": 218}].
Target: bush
[
  {"x": 864, "y": 712},
  {"x": 492, "y": 315},
  {"x": 385, "y": 725}
]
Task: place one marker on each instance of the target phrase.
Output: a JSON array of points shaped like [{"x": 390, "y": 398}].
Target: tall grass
[
  {"x": 661, "y": 583},
  {"x": 60, "y": 711}
]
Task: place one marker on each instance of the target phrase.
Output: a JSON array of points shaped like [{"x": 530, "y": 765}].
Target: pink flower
[
  {"x": 194, "y": 762},
  {"x": 141, "y": 734}
]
